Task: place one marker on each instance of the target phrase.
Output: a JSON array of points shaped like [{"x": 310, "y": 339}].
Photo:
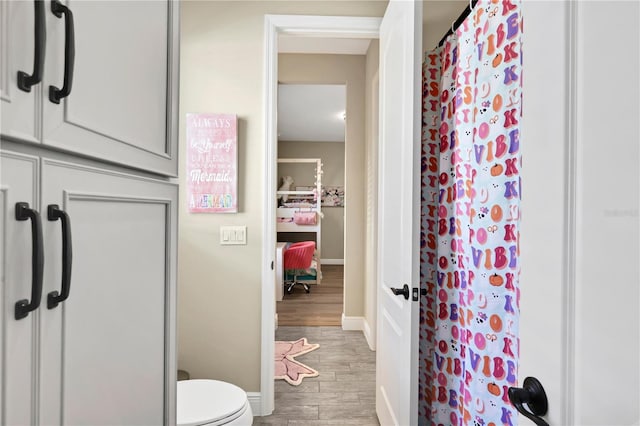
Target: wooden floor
[{"x": 321, "y": 307}]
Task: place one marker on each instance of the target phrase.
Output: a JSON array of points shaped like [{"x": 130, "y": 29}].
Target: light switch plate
[{"x": 233, "y": 235}]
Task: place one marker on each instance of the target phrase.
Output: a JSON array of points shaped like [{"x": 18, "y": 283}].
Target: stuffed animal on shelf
[{"x": 287, "y": 182}]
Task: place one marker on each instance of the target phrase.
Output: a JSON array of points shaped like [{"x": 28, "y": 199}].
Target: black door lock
[{"x": 401, "y": 292}]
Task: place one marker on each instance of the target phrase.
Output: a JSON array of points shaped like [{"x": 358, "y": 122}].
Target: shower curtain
[{"x": 470, "y": 220}]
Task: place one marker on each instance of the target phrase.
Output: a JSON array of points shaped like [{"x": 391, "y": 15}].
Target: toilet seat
[{"x": 209, "y": 402}]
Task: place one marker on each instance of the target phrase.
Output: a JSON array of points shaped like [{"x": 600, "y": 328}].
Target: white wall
[{"x": 438, "y": 15}]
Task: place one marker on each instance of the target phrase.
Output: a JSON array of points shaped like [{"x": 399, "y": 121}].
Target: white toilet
[{"x": 212, "y": 403}]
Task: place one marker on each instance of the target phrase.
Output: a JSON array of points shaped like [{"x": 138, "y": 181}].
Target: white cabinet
[
  {"x": 106, "y": 355},
  {"x": 122, "y": 106}
]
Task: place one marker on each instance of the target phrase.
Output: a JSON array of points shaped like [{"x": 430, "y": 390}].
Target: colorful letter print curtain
[{"x": 472, "y": 100}]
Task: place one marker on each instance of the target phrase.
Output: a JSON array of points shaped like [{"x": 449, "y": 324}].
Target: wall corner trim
[
  {"x": 368, "y": 335},
  {"x": 359, "y": 324}
]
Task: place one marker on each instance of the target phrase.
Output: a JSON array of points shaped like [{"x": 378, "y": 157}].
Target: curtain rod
[{"x": 459, "y": 21}]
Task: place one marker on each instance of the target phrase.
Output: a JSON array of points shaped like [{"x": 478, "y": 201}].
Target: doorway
[
  {"x": 311, "y": 175},
  {"x": 329, "y": 28}
]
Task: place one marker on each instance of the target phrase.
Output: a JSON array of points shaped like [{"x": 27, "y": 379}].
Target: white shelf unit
[{"x": 287, "y": 213}]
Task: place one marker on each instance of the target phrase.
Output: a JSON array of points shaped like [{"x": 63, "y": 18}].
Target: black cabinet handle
[
  {"x": 404, "y": 291},
  {"x": 54, "y": 213},
  {"x": 59, "y": 9},
  {"x": 25, "y": 81},
  {"x": 23, "y": 307},
  {"x": 531, "y": 393}
]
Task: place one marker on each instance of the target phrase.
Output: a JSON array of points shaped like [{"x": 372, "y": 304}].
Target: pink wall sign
[{"x": 212, "y": 163}]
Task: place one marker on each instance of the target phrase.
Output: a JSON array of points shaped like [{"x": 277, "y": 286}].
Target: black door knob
[
  {"x": 401, "y": 292},
  {"x": 531, "y": 393}
]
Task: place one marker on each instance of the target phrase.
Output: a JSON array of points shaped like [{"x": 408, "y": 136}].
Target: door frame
[{"x": 303, "y": 26}]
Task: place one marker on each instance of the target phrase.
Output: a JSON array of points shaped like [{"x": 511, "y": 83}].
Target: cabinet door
[
  {"x": 108, "y": 351},
  {"x": 18, "y": 358},
  {"x": 122, "y": 103},
  {"x": 19, "y": 108}
]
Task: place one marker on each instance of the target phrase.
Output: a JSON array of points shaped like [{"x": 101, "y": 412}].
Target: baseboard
[
  {"x": 367, "y": 334},
  {"x": 255, "y": 401},
  {"x": 332, "y": 261},
  {"x": 352, "y": 323}
]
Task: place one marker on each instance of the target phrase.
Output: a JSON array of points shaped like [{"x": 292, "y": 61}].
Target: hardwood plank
[{"x": 321, "y": 307}]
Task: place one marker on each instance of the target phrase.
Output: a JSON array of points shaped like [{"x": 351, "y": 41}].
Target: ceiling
[{"x": 313, "y": 112}]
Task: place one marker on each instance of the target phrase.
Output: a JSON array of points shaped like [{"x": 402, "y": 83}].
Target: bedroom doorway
[
  {"x": 343, "y": 31},
  {"x": 310, "y": 196}
]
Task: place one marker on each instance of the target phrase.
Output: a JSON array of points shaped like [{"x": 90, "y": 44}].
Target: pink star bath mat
[{"x": 287, "y": 368}]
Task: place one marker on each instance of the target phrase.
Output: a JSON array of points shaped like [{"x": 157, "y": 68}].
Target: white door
[
  {"x": 579, "y": 246},
  {"x": 17, "y": 54},
  {"x": 120, "y": 107},
  {"x": 19, "y": 355},
  {"x": 108, "y": 351},
  {"x": 399, "y": 213},
  {"x": 117, "y": 107}
]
